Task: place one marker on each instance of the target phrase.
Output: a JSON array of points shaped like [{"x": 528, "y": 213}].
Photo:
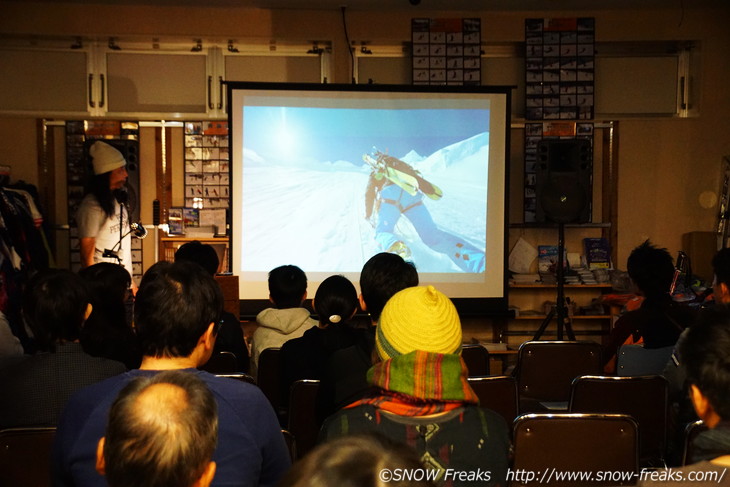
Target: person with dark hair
[
  {"x": 162, "y": 431},
  {"x": 200, "y": 253},
  {"x": 108, "y": 332},
  {"x": 307, "y": 357},
  {"x": 363, "y": 460},
  {"x": 230, "y": 335},
  {"x": 659, "y": 320},
  {"x": 721, "y": 280},
  {"x": 176, "y": 313},
  {"x": 288, "y": 318},
  {"x": 35, "y": 388},
  {"x": 102, "y": 217},
  {"x": 382, "y": 276},
  {"x": 421, "y": 395},
  {"x": 704, "y": 353},
  {"x": 675, "y": 371}
]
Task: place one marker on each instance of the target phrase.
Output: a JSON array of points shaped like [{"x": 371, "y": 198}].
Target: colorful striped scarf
[{"x": 420, "y": 383}]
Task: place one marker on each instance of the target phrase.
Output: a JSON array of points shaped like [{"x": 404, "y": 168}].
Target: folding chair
[
  {"x": 476, "y": 358},
  {"x": 643, "y": 398},
  {"x": 547, "y": 446},
  {"x": 632, "y": 360},
  {"x": 498, "y": 393},
  {"x": 291, "y": 444},
  {"x": 690, "y": 433},
  {"x": 302, "y": 417},
  {"x": 269, "y": 380},
  {"x": 25, "y": 456},
  {"x": 545, "y": 370}
]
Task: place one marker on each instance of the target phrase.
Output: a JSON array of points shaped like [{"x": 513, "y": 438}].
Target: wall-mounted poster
[
  {"x": 559, "y": 68},
  {"x": 446, "y": 51},
  {"x": 206, "y": 165}
]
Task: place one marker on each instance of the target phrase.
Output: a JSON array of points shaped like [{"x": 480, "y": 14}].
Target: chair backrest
[
  {"x": 690, "y": 433},
  {"x": 552, "y": 444},
  {"x": 302, "y": 418},
  {"x": 498, "y": 393},
  {"x": 476, "y": 358},
  {"x": 291, "y": 444},
  {"x": 221, "y": 363},
  {"x": 545, "y": 369},
  {"x": 268, "y": 377},
  {"x": 25, "y": 456},
  {"x": 636, "y": 360},
  {"x": 239, "y": 376},
  {"x": 643, "y": 398}
]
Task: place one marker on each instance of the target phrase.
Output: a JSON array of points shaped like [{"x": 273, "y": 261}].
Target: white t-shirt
[{"x": 93, "y": 223}]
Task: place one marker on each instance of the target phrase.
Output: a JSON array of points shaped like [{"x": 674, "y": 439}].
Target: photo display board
[
  {"x": 446, "y": 51},
  {"x": 559, "y": 68}
]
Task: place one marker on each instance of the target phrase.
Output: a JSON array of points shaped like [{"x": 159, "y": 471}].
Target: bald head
[{"x": 162, "y": 431}]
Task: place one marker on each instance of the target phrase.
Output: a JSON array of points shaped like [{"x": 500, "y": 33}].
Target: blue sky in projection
[{"x": 331, "y": 134}]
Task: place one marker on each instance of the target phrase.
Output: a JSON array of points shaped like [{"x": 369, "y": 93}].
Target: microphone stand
[{"x": 564, "y": 321}]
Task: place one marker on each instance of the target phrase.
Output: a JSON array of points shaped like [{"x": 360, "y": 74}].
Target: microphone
[
  {"x": 122, "y": 196},
  {"x": 138, "y": 230}
]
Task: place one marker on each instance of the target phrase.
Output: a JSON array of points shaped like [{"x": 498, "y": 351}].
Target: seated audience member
[
  {"x": 177, "y": 311},
  {"x": 704, "y": 353},
  {"x": 362, "y": 460},
  {"x": 382, "y": 276},
  {"x": 287, "y": 319},
  {"x": 161, "y": 432},
  {"x": 10, "y": 345},
  {"x": 675, "y": 373},
  {"x": 307, "y": 357},
  {"x": 230, "y": 335},
  {"x": 35, "y": 388},
  {"x": 108, "y": 332},
  {"x": 423, "y": 398},
  {"x": 659, "y": 320}
]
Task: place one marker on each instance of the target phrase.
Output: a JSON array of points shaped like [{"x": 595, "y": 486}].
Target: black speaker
[
  {"x": 564, "y": 180},
  {"x": 130, "y": 150}
]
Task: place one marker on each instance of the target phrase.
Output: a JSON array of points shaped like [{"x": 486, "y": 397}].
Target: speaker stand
[{"x": 561, "y": 309}]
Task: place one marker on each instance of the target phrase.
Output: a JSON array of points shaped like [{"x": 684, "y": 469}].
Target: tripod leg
[{"x": 544, "y": 324}]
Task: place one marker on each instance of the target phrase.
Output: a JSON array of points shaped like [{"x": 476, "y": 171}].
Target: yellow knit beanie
[{"x": 418, "y": 318}]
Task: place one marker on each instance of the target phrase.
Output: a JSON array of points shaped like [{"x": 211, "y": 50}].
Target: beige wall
[{"x": 665, "y": 164}]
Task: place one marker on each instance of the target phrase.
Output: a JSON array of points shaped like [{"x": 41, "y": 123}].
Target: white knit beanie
[{"x": 105, "y": 158}]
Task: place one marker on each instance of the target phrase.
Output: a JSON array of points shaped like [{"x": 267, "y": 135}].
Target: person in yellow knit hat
[{"x": 421, "y": 396}]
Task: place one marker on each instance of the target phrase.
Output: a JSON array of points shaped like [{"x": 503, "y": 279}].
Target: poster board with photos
[
  {"x": 207, "y": 175},
  {"x": 559, "y": 68},
  {"x": 534, "y": 133},
  {"x": 446, "y": 51}
]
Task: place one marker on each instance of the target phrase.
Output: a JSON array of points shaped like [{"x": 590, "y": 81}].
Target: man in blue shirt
[{"x": 177, "y": 311}]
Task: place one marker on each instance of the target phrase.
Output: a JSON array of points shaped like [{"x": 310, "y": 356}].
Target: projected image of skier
[
  {"x": 396, "y": 189},
  {"x": 306, "y": 170}
]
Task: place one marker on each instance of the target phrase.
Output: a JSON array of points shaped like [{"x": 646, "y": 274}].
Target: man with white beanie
[{"x": 103, "y": 222}]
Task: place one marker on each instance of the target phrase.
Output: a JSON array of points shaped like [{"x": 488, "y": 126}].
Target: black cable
[{"x": 349, "y": 48}]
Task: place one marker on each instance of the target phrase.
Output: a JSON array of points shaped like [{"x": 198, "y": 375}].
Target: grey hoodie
[{"x": 277, "y": 326}]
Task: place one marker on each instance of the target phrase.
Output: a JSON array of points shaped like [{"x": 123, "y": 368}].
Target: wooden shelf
[
  {"x": 553, "y": 286},
  {"x": 574, "y": 317},
  {"x": 555, "y": 225}
]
